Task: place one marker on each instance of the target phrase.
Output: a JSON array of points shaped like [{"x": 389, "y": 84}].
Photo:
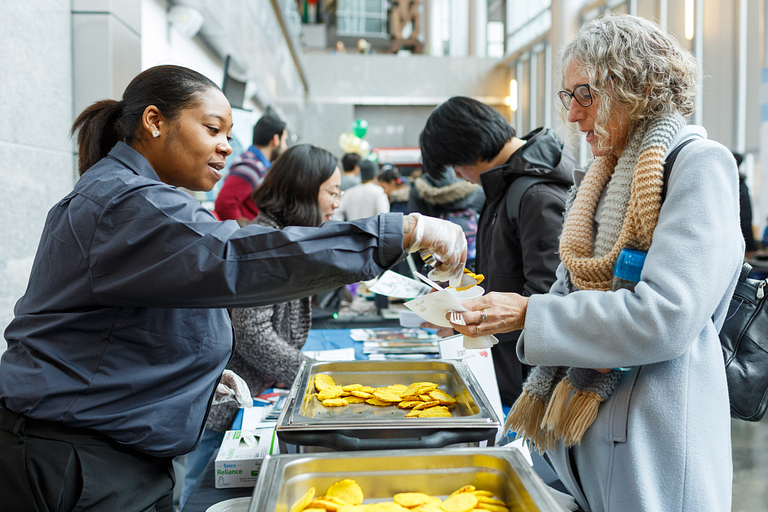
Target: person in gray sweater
[{"x": 302, "y": 189}]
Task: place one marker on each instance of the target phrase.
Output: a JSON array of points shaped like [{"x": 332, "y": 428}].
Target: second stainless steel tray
[{"x": 382, "y": 474}]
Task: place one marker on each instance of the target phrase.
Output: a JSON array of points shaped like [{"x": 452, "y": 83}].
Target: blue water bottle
[{"x": 626, "y": 272}]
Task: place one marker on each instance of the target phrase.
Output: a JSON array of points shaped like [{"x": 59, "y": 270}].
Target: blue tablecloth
[{"x": 327, "y": 339}]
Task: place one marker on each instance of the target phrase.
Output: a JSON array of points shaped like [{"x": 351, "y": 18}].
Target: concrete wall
[
  {"x": 36, "y": 106},
  {"x": 394, "y": 94},
  {"x": 250, "y": 32}
]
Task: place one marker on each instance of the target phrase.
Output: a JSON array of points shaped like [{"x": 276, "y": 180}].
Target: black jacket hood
[{"x": 542, "y": 155}]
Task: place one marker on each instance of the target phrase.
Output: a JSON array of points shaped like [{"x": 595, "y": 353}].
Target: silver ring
[
  {"x": 478, "y": 328},
  {"x": 482, "y": 316}
]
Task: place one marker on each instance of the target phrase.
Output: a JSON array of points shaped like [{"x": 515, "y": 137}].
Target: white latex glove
[
  {"x": 232, "y": 387},
  {"x": 446, "y": 241}
]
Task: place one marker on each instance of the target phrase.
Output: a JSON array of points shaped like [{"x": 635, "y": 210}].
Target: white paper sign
[
  {"x": 336, "y": 354},
  {"x": 480, "y": 361},
  {"x": 397, "y": 285}
]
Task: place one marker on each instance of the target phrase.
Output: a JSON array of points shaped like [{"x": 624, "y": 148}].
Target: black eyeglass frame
[{"x": 565, "y": 96}]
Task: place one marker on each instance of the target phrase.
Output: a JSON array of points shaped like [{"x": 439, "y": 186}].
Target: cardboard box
[{"x": 239, "y": 459}]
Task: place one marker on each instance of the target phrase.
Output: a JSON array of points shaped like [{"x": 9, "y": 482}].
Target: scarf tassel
[
  {"x": 556, "y": 407},
  {"x": 525, "y": 418},
  {"x": 568, "y": 417},
  {"x": 581, "y": 413}
]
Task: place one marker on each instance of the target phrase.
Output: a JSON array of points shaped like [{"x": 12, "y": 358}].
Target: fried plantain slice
[
  {"x": 347, "y": 490},
  {"x": 489, "y": 499},
  {"x": 352, "y": 399},
  {"x": 418, "y": 388},
  {"x": 305, "y": 500},
  {"x": 323, "y": 381},
  {"x": 442, "y": 397},
  {"x": 335, "y": 402},
  {"x": 426, "y": 405},
  {"x": 351, "y": 387},
  {"x": 439, "y": 411},
  {"x": 466, "y": 488},
  {"x": 491, "y": 507},
  {"x": 326, "y": 504},
  {"x": 408, "y": 404},
  {"x": 330, "y": 392},
  {"x": 411, "y": 499},
  {"x": 379, "y": 403},
  {"x": 361, "y": 394},
  {"x": 386, "y": 396},
  {"x": 462, "y": 502},
  {"x": 387, "y": 506}
]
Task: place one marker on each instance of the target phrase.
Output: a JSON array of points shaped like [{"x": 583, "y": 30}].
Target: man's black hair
[
  {"x": 462, "y": 131},
  {"x": 368, "y": 170},
  {"x": 349, "y": 161},
  {"x": 266, "y": 128}
]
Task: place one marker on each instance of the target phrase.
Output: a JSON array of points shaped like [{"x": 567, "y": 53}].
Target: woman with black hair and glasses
[
  {"x": 629, "y": 397},
  {"x": 301, "y": 189},
  {"x": 119, "y": 344}
]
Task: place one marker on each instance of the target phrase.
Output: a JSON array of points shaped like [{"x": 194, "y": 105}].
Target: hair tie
[{"x": 120, "y": 106}]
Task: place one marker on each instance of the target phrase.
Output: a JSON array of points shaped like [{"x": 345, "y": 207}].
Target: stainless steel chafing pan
[
  {"x": 381, "y": 474},
  {"x": 306, "y": 422}
]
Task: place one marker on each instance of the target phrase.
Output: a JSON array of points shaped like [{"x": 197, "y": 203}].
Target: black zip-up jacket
[{"x": 521, "y": 256}]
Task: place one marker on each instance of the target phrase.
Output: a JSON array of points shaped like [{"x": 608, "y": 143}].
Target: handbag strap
[{"x": 670, "y": 162}]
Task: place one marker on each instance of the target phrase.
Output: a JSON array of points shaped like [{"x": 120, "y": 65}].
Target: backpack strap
[
  {"x": 670, "y": 162},
  {"x": 515, "y": 193}
]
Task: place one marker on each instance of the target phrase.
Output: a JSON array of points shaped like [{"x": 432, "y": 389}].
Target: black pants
[{"x": 51, "y": 467}]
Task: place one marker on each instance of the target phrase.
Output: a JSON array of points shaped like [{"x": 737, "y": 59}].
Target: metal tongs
[{"x": 431, "y": 260}]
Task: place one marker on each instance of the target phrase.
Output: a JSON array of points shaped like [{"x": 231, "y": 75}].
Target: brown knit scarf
[{"x": 560, "y": 403}]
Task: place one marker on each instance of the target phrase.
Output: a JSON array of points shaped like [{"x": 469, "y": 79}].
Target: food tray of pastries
[
  {"x": 370, "y": 405},
  {"x": 454, "y": 479}
]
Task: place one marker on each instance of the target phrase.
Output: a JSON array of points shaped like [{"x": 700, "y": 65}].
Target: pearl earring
[{"x": 155, "y": 133}]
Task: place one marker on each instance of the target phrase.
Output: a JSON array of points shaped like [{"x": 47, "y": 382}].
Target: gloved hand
[
  {"x": 232, "y": 387},
  {"x": 446, "y": 241}
]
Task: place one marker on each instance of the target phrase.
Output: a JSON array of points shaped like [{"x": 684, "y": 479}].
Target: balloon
[
  {"x": 354, "y": 144},
  {"x": 345, "y": 142},
  {"x": 364, "y": 149},
  {"x": 359, "y": 127}
]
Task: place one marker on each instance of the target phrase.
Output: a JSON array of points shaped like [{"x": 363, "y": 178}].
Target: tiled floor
[{"x": 750, "y": 465}]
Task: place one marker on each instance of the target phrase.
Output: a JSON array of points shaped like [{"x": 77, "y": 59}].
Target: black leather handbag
[{"x": 744, "y": 336}]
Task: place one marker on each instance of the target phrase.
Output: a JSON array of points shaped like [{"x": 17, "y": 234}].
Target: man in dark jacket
[{"x": 519, "y": 225}]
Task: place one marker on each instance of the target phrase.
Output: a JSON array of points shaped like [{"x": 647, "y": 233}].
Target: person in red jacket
[{"x": 246, "y": 174}]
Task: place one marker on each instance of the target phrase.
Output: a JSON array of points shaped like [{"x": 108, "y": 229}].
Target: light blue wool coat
[{"x": 662, "y": 441}]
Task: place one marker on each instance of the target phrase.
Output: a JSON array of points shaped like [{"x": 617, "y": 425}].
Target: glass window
[
  {"x": 527, "y": 20},
  {"x": 362, "y": 18}
]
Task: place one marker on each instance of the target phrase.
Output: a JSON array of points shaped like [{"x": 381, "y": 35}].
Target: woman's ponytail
[{"x": 98, "y": 130}]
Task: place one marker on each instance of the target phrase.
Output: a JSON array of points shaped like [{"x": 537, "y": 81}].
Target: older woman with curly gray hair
[{"x": 629, "y": 399}]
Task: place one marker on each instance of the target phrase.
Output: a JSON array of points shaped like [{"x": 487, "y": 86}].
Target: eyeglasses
[
  {"x": 336, "y": 196},
  {"x": 581, "y": 93}
]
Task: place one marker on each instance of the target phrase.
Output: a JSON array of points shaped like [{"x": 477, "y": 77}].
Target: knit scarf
[{"x": 560, "y": 403}]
